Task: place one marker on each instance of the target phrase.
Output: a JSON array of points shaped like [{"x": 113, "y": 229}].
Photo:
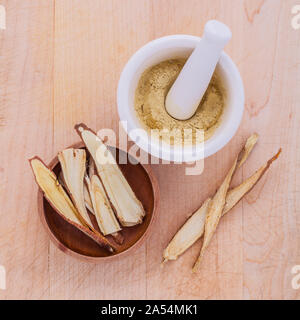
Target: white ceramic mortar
[{"x": 171, "y": 47}]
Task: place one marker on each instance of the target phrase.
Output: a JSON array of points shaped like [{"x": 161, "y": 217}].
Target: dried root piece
[
  {"x": 250, "y": 143},
  {"x": 232, "y": 198},
  {"x": 214, "y": 213},
  {"x": 87, "y": 199},
  {"x": 54, "y": 192},
  {"x": 105, "y": 216},
  {"x": 188, "y": 234},
  {"x": 72, "y": 163},
  {"x": 60, "y": 201},
  {"x": 184, "y": 238},
  {"x": 236, "y": 194},
  {"x": 92, "y": 169},
  {"x": 128, "y": 208},
  {"x": 118, "y": 237},
  {"x": 216, "y": 206},
  {"x": 86, "y": 194},
  {"x": 86, "y": 188}
]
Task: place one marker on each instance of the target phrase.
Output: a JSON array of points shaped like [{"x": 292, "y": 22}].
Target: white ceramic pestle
[{"x": 188, "y": 89}]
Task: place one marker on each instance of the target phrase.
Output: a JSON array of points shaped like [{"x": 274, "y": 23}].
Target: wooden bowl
[{"x": 75, "y": 243}]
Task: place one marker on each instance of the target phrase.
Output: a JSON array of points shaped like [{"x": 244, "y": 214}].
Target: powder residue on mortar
[{"x": 149, "y": 104}]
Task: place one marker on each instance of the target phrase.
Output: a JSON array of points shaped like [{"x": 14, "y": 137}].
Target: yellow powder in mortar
[{"x": 149, "y": 104}]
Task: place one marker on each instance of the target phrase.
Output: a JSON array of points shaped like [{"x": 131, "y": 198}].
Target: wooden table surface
[{"x": 60, "y": 62}]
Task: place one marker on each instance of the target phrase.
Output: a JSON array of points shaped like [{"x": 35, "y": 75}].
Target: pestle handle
[{"x": 188, "y": 89}]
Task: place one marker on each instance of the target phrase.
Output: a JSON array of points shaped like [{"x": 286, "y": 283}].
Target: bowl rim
[{"x": 82, "y": 257}]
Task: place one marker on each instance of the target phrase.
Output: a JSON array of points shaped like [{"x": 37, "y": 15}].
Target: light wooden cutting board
[{"x": 60, "y": 62}]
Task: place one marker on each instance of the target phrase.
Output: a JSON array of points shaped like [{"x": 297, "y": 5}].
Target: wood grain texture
[{"x": 60, "y": 63}]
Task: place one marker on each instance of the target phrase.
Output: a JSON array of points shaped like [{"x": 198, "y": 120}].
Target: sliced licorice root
[
  {"x": 61, "y": 203},
  {"x": 188, "y": 234},
  {"x": 193, "y": 229},
  {"x": 105, "y": 217},
  {"x": 214, "y": 213},
  {"x": 73, "y": 165},
  {"x": 127, "y": 207},
  {"x": 107, "y": 221},
  {"x": 233, "y": 197},
  {"x": 236, "y": 194}
]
